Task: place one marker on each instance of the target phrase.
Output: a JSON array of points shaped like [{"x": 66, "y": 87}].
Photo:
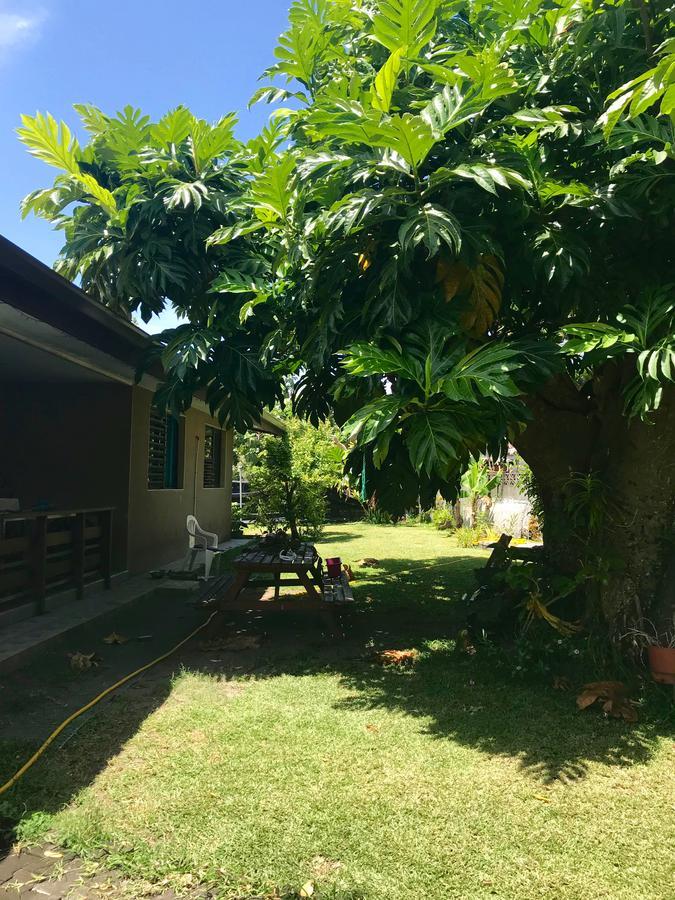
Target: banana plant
[{"x": 478, "y": 481}]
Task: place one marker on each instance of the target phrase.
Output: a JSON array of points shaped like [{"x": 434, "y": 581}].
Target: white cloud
[{"x": 17, "y": 29}]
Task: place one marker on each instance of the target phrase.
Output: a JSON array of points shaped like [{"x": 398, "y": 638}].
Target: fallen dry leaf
[
  {"x": 372, "y": 728},
  {"x": 561, "y": 683},
  {"x": 397, "y": 657},
  {"x": 620, "y": 709},
  {"x": 613, "y": 695},
  {"x": 82, "y": 661},
  {"x": 52, "y": 854},
  {"x": 368, "y": 562},
  {"x": 307, "y": 890},
  {"x": 115, "y": 638}
]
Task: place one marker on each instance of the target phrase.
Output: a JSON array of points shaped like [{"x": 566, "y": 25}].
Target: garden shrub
[
  {"x": 468, "y": 537},
  {"x": 442, "y": 518}
]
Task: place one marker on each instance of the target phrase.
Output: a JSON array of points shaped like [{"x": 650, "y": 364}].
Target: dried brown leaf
[
  {"x": 620, "y": 709},
  {"x": 397, "y": 657},
  {"x": 115, "y": 638},
  {"x": 586, "y": 698},
  {"x": 82, "y": 661},
  {"x": 613, "y": 695}
]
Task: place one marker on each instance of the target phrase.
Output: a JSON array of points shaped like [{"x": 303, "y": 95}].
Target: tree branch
[{"x": 643, "y": 10}]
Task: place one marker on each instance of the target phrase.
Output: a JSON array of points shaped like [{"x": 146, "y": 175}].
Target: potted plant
[{"x": 660, "y": 650}]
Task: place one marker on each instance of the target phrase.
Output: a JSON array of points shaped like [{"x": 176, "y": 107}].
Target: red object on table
[{"x": 334, "y": 567}]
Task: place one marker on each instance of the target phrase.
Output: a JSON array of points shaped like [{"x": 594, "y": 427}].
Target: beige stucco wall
[{"x": 156, "y": 534}]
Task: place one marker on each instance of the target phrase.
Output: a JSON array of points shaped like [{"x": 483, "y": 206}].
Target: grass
[{"x": 308, "y": 762}]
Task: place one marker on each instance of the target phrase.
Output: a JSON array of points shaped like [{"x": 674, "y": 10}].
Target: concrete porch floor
[{"x": 20, "y": 639}]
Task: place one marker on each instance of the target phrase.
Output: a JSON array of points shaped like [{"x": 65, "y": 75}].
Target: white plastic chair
[{"x": 200, "y": 541}]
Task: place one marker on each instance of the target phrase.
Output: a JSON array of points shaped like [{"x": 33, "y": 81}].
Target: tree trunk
[
  {"x": 638, "y": 461},
  {"x": 628, "y": 554},
  {"x": 557, "y": 443}
]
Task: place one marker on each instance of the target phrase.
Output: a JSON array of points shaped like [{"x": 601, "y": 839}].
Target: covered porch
[{"x": 64, "y": 470}]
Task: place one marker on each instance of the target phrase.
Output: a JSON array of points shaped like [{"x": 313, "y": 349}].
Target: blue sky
[{"x": 206, "y": 54}]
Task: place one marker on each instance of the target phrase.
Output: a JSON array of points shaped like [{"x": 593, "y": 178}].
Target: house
[{"x": 94, "y": 482}]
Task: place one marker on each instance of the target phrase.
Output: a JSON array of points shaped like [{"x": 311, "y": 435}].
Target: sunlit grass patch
[{"x": 439, "y": 779}]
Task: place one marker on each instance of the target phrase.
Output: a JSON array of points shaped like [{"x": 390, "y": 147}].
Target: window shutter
[
  {"x": 156, "y": 451},
  {"x": 213, "y": 438},
  {"x": 163, "y": 452}
]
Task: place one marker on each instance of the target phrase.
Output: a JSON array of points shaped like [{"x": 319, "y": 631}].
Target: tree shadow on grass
[
  {"x": 466, "y": 698},
  {"x": 458, "y": 698},
  {"x": 339, "y": 536},
  {"x": 453, "y": 696}
]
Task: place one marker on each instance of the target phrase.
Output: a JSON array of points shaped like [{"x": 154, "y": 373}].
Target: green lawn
[{"x": 307, "y": 761}]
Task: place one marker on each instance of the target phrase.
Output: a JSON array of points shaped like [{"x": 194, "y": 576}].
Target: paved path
[{"x": 47, "y": 873}]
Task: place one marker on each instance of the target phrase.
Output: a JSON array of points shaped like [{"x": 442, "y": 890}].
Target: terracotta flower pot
[{"x": 662, "y": 664}]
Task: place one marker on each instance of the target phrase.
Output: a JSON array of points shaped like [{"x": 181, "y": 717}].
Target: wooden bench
[
  {"x": 212, "y": 590},
  {"x": 342, "y": 591},
  {"x": 503, "y": 555}
]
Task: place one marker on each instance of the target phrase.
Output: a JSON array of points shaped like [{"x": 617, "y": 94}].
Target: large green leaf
[
  {"x": 232, "y": 281},
  {"x": 432, "y": 226},
  {"x": 182, "y": 193},
  {"x": 641, "y": 93},
  {"x": 355, "y": 211},
  {"x": 405, "y": 23},
  {"x": 452, "y": 107},
  {"x": 373, "y": 418},
  {"x": 272, "y": 190},
  {"x": 489, "y": 177},
  {"x": 51, "y": 141},
  {"x": 408, "y": 135},
  {"x": 385, "y": 80},
  {"x": 586, "y": 337},
  {"x": 348, "y": 122},
  {"x": 484, "y": 372},
  {"x": 299, "y": 50},
  {"x": 432, "y": 441},
  {"x": 231, "y": 232},
  {"x": 95, "y": 121},
  {"x": 390, "y": 302},
  {"x": 174, "y": 127},
  {"x": 211, "y": 142},
  {"x": 365, "y": 359},
  {"x": 54, "y": 143}
]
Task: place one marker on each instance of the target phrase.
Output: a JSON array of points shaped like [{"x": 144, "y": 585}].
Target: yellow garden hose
[{"x": 57, "y": 731}]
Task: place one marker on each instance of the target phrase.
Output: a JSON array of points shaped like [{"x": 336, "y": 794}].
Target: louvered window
[
  {"x": 213, "y": 446},
  {"x": 164, "y": 452}
]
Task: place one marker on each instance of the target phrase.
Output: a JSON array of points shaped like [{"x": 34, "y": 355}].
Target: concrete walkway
[{"x": 20, "y": 639}]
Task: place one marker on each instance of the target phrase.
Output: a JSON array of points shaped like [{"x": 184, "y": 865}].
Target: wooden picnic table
[
  {"x": 305, "y": 564},
  {"x": 306, "y": 568}
]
